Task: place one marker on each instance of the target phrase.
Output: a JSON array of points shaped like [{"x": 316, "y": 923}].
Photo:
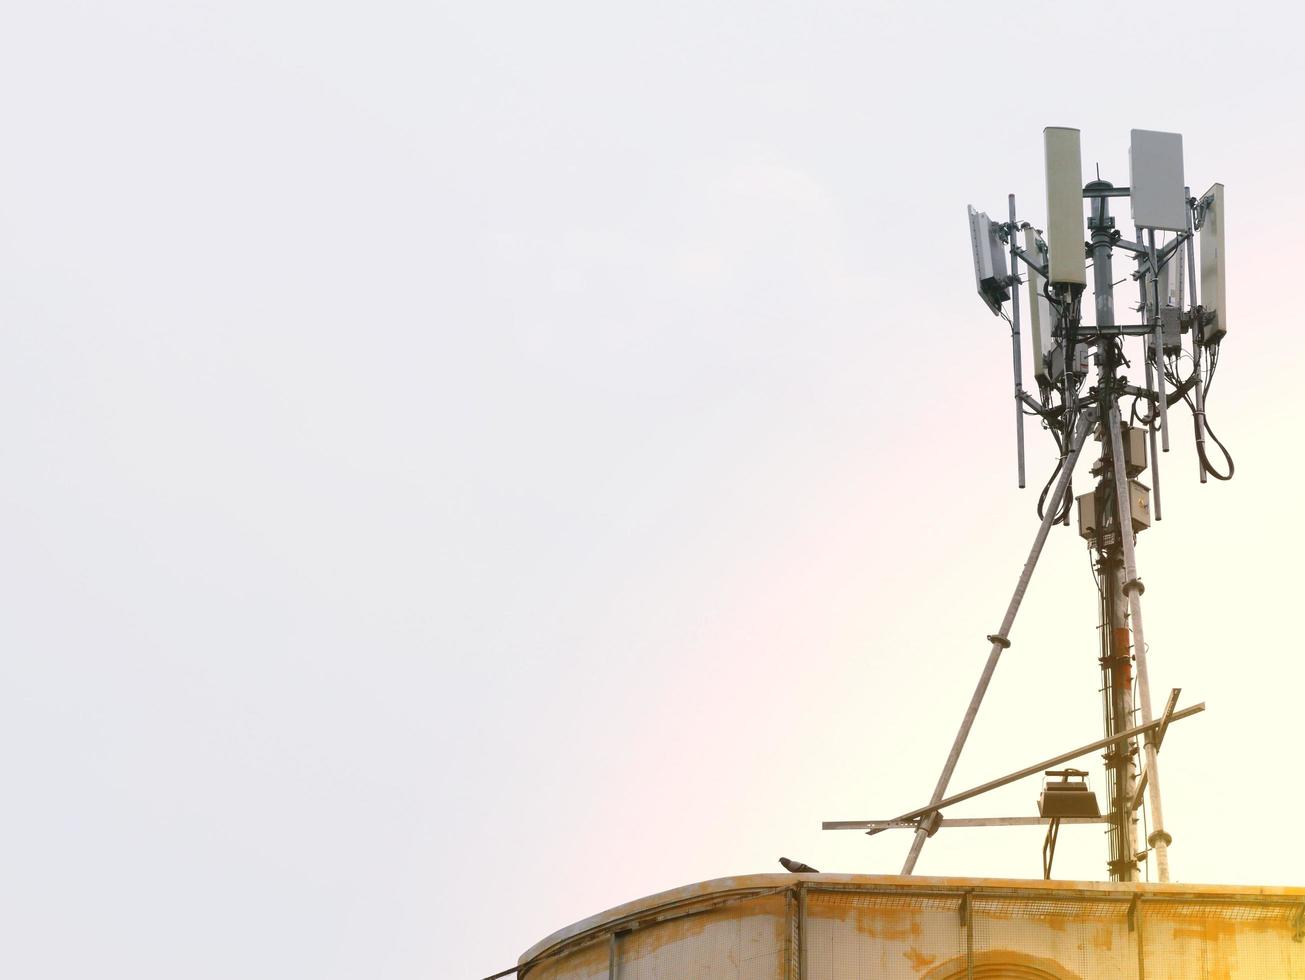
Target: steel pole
[
  {"x": 1163, "y": 403},
  {"x": 1150, "y": 384},
  {"x": 1114, "y": 659},
  {"x": 1159, "y": 838},
  {"x": 1015, "y": 346},
  {"x": 1117, "y": 668},
  {"x": 1103, "y": 290},
  {"x": 1199, "y": 393},
  {"x": 1000, "y": 640}
]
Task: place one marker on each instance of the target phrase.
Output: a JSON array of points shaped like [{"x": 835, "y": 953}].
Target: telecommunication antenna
[{"x": 1082, "y": 391}]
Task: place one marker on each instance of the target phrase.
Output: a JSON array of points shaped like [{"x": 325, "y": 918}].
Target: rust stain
[
  {"x": 1102, "y": 938},
  {"x": 917, "y": 959},
  {"x": 876, "y": 921},
  {"x": 890, "y": 923},
  {"x": 1056, "y": 921},
  {"x": 1215, "y": 941},
  {"x": 782, "y": 933},
  {"x": 1205, "y": 930}
]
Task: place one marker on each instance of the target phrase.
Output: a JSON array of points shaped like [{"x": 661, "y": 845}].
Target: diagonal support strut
[
  {"x": 1165, "y": 719},
  {"x": 1000, "y": 640}
]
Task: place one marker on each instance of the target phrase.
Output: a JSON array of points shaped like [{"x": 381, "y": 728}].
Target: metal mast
[
  {"x": 1071, "y": 407},
  {"x": 1116, "y": 648}
]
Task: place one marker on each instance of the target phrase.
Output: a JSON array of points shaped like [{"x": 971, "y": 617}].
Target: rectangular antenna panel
[
  {"x": 1213, "y": 272},
  {"x": 1171, "y": 329},
  {"x": 989, "y": 255},
  {"x": 1172, "y": 281},
  {"x": 1040, "y": 315},
  {"x": 1065, "y": 206},
  {"x": 1155, "y": 176}
]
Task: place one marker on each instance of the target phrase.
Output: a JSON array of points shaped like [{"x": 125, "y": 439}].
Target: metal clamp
[
  {"x": 999, "y": 639},
  {"x": 930, "y": 823}
]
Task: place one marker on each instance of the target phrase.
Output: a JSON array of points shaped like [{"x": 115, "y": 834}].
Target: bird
[{"x": 797, "y": 867}]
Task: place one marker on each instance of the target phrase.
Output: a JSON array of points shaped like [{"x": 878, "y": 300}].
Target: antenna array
[{"x": 1080, "y": 390}]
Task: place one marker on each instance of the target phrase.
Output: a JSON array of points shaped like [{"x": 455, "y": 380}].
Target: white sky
[{"x": 467, "y": 466}]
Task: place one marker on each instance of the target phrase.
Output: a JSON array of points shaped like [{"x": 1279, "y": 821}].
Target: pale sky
[{"x": 466, "y": 466}]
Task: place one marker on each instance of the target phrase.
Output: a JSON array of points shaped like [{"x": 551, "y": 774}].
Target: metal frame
[
  {"x": 935, "y": 805},
  {"x": 1069, "y": 414},
  {"x": 880, "y": 825},
  {"x": 1049, "y": 846}
]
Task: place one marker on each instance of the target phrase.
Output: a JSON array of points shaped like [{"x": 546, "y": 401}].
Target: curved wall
[{"x": 850, "y": 927}]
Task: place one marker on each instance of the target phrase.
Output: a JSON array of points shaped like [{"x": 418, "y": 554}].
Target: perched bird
[{"x": 797, "y": 867}]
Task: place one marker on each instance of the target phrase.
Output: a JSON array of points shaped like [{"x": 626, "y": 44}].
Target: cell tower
[
  {"x": 809, "y": 925},
  {"x": 1082, "y": 391}
]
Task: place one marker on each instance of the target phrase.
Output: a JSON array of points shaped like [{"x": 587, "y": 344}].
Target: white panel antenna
[
  {"x": 1155, "y": 164},
  {"x": 1213, "y": 275},
  {"x": 1068, "y": 264},
  {"x": 990, "y": 276}
]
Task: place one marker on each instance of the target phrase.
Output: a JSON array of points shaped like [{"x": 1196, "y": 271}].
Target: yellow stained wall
[{"x": 848, "y": 927}]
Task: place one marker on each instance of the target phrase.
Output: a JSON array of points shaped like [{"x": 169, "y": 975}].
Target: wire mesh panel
[
  {"x": 851, "y": 936},
  {"x": 587, "y": 963},
  {"x": 1054, "y": 937},
  {"x": 846, "y": 927},
  {"x": 745, "y": 939},
  {"x": 1194, "y": 941}
]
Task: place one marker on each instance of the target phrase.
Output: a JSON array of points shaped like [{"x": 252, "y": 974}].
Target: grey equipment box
[{"x": 1139, "y": 498}]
